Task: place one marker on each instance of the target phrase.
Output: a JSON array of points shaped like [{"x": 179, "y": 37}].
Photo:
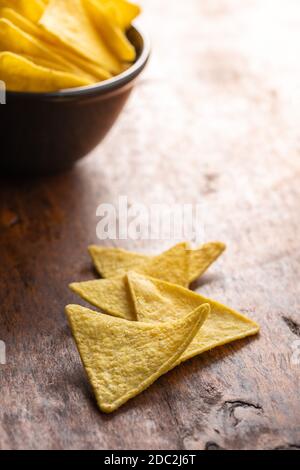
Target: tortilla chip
[
  {"x": 83, "y": 65},
  {"x": 22, "y": 22},
  {"x": 45, "y": 63},
  {"x": 203, "y": 257},
  {"x": 112, "y": 33},
  {"x": 13, "y": 39},
  {"x": 159, "y": 301},
  {"x": 171, "y": 266},
  {"x": 125, "y": 12},
  {"x": 68, "y": 21},
  {"x": 123, "y": 358},
  {"x": 72, "y": 61},
  {"x": 19, "y": 74},
  {"x": 32, "y": 9},
  {"x": 112, "y": 296},
  {"x": 111, "y": 262}
]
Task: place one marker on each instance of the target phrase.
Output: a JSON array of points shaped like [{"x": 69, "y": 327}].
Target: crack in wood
[
  {"x": 212, "y": 446},
  {"x": 177, "y": 424},
  {"x": 230, "y": 406},
  {"x": 292, "y": 325},
  {"x": 288, "y": 447}
]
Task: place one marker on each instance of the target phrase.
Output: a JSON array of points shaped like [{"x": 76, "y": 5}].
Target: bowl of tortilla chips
[{"x": 68, "y": 68}]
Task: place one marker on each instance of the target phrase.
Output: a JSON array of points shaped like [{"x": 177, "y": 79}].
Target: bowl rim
[{"x": 100, "y": 88}]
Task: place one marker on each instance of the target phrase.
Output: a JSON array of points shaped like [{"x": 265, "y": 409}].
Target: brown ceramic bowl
[{"x": 43, "y": 133}]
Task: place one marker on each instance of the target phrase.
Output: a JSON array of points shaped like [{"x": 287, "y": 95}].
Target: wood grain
[{"x": 215, "y": 121}]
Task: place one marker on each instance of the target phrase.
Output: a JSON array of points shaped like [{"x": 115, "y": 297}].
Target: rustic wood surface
[{"x": 214, "y": 120}]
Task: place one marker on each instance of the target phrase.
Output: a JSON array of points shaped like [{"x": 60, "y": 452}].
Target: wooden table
[{"x": 215, "y": 121}]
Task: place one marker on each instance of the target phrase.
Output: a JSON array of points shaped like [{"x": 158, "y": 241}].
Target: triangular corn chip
[
  {"x": 51, "y": 47},
  {"x": 48, "y": 64},
  {"x": 22, "y": 22},
  {"x": 13, "y": 39},
  {"x": 19, "y": 74},
  {"x": 89, "y": 71},
  {"x": 111, "y": 262},
  {"x": 112, "y": 33},
  {"x": 159, "y": 301},
  {"x": 113, "y": 296},
  {"x": 31, "y": 9},
  {"x": 202, "y": 258},
  {"x": 123, "y": 358},
  {"x": 68, "y": 20},
  {"x": 172, "y": 265},
  {"x": 126, "y": 12}
]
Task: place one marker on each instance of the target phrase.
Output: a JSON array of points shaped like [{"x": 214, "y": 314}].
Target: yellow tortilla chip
[
  {"x": 13, "y": 39},
  {"x": 111, "y": 262},
  {"x": 45, "y": 63},
  {"x": 69, "y": 22},
  {"x": 124, "y": 12},
  {"x": 22, "y": 22},
  {"x": 172, "y": 265},
  {"x": 202, "y": 258},
  {"x": 72, "y": 61},
  {"x": 113, "y": 296},
  {"x": 123, "y": 358},
  {"x": 19, "y": 74},
  {"x": 31, "y": 9},
  {"x": 113, "y": 34},
  {"x": 159, "y": 301}
]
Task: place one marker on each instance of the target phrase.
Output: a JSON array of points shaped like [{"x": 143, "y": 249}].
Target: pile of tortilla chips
[
  {"x": 150, "y": 321},
  {"x": 50, "y": 45}
]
